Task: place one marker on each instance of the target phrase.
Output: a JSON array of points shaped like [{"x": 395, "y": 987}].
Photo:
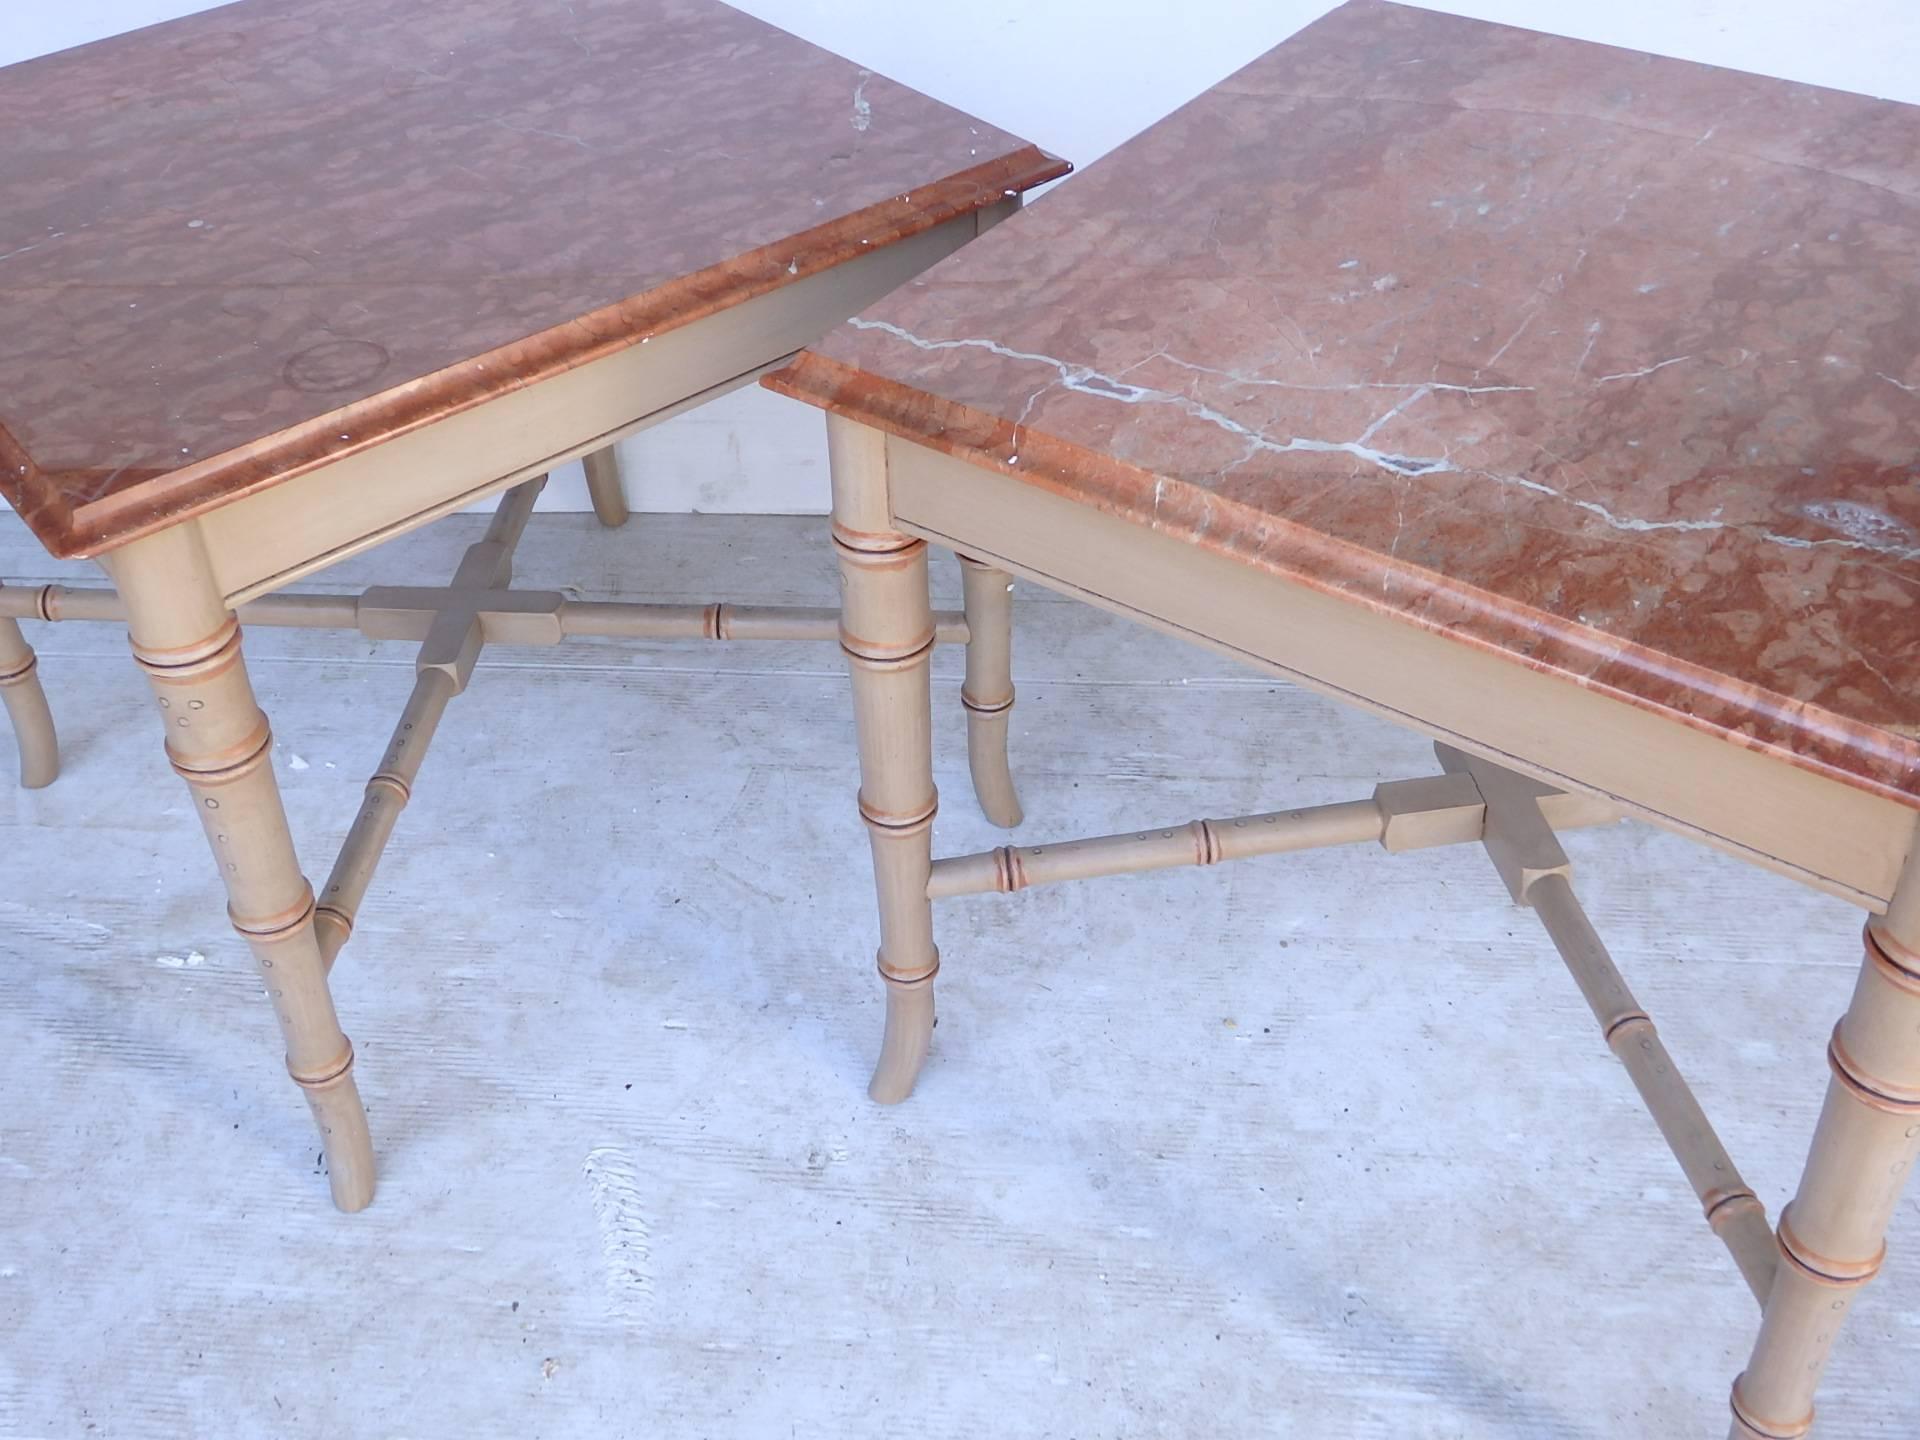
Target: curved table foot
[
  {"x": 909, "y": 1035},
  {"x": 604, "y": 488},
  {"x": 26, "y": 702},
  {"x": 988, "y": 691}
]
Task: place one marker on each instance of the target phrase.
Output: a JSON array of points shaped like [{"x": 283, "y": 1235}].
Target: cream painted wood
[
  {"x": 604, "y": 486},
  {"x": 1763, "y": 809},
  {"x": 266, "y": 540},
  {"x": 1403, "y": 815},
  {"x": 1731, "y": 1208},
  {"x": 449, "y": 649},
  {"x": 887, "y": 632},
  {"x": 1012, "y": 868},
  {"x": 388, "y": 790},
  {"x": 1052, "y": 1007},
  {"x": 862, "y": 510},
  {"x": 987, "y": 692},
  {"x": 723, "y": 621},
  {"x": 100, "y": 602},
  {"x": 188, "y": 643},
  {"x": 414, "y": 502},
  {"x": 454, "y": 636},
  {"x": 180, "y": 588},
  {"x": 1833, "y": 1233},
  {"x": 1520, "y": 840},
  {"x": 26, "y": 702},
  {"x": 507, "y": 617}
]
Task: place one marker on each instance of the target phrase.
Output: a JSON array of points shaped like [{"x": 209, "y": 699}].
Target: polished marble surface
[
  {"x": 239, "y": 243},
  {"x": 1605, "y": 362}
]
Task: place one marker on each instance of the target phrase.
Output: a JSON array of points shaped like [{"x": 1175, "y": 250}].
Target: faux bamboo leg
[
  {"x": 1832, "y": 1235},
  {"x": 887, "y": 632},
  {"x": 603, "y": 485},
  {"x": 26, "y": 703},
  {"x": 988, "y": 690},
  {"x": 188, "y": 643}
]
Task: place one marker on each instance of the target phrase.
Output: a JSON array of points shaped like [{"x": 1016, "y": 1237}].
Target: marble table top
[
  {"x": 1604, "y": 362},
  {"x": 240, "y": 243}
]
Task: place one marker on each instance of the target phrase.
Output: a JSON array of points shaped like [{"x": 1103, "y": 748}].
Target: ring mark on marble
[{"x": 335, "y": 365}]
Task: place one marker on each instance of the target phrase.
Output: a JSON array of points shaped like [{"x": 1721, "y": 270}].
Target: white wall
[{"x": 1079, "y": 78}]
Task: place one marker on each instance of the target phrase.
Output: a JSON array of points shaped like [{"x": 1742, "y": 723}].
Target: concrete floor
[{"x": 1322, "y": 1145}]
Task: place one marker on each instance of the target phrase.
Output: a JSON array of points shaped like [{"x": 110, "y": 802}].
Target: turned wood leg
[
  {"x": 603, "y": 485},
  {"x": 26, "y": 703},
  {"x": 886, "y": 630},
  {"x": 188, "y": 643},
  {"x": 1832, "y": 1236},
  {"x": 988, "y": 690}
]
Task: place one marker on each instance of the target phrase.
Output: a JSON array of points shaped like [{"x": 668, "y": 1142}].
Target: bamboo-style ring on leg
[
  {"x": 887, "y": 634},
  {"x": 187, "y": 642},
  {"x": 1832, "y": 1236},
  {"x": 987, "y": 693}
]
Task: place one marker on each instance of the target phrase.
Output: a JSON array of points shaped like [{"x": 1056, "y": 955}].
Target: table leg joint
[
  {"x": 905, "y": 824},
  {"x": 979, "y": 707},
  {"x": 918, "y": 978},
  {"x": 266, "y": 929},
  {"x": 1628, "y": 1024},
  {"x": 1869, "y": 1090},
  {"x": 327, "y": 1076},
  {"x": 1900, "y": 965},
  {"x": 1722, "y": 1207},
  {"x": 1828, "y": 1270},
  {"x": 209, "y": 772}
]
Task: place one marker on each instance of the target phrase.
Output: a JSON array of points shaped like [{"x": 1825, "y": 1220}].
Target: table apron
[
  {"x": 1820, "y": 831},
  {"x": 270, "y": 538}
]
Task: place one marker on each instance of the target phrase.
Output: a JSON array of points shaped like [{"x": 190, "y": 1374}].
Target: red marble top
[
  {"x": 1604, "y": 362},
  {"x": 228, "y": 240}
]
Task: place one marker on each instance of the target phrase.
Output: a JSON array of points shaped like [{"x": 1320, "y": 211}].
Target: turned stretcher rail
[
  {"x": 630, "y": 621},
  {"x": 1731, "y": 1207},
  {"x": 1401, "y": 815},
  {"x": 452, "y": 623},
  {"x": 388, "y": 791},
  {"x": 1519, "y": 838},
  {"x": 612, "y": 619},
  {"x": 1200, "y": 842},
  {"x": 444, "y": 663},
  {"x": 102, "y": 602},
  {"x": 1516, "y": 818}
]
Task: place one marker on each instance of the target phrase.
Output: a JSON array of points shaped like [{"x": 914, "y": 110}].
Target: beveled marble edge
[
  {"x": 1882, "y": 762},
  {"x": 168, "y": 497}
]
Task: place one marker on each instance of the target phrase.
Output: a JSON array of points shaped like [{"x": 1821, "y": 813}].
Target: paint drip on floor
[{"x": 624, "y": 1237}]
